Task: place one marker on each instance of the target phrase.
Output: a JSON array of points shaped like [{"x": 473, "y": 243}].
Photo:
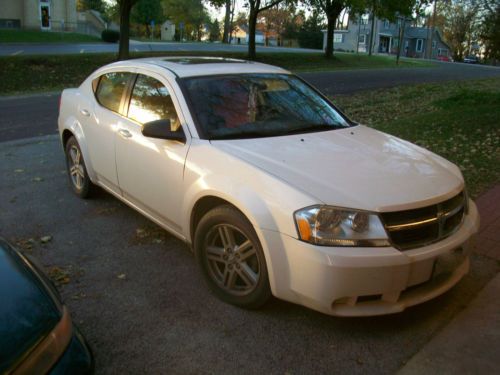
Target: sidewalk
[{"x": 470, "y": 343}]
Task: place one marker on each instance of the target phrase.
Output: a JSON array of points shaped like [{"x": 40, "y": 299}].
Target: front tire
[
  {"x": 77, "y": 171},
  {"x": 230, "y": 256}
]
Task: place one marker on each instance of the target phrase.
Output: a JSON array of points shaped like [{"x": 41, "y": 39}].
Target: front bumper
[{"x": 366, "y": 281}]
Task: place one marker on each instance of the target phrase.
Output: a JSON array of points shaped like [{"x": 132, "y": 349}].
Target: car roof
[{"x": 190, "y": 66}]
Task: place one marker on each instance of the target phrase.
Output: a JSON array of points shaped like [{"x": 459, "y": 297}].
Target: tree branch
[{"x": 273, "y": 3}]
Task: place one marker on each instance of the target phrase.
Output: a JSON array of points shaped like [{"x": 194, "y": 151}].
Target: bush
[
  {"x": 310, "y": 39},
  {"x": 110, "y": 36}
]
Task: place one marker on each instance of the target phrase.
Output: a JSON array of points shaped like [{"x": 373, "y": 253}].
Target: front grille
[{"x": 423, "y": 226}]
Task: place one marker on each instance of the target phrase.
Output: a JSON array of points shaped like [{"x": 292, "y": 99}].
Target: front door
[
  {"x": 45, "y": 14},
  {"x": 150, "y": 171}
]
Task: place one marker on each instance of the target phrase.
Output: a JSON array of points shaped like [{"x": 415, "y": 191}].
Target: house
[
  {"x": 168, "y": 31},
  {"x": 240, "y": 35},
  {"x": 38, "y": 14},
  {"x": 355, "y": 36}
]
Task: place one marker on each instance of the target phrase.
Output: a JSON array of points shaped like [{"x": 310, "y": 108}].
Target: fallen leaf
[
  {"x": 19, "y": 170},
  {"x": 45, "y": 239},
  {"x": 122, "y": 276},
  {"x": 37, "y": 179}
]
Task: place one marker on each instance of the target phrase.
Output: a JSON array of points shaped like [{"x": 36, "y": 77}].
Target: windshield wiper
[{"x": 312, "y": 128}]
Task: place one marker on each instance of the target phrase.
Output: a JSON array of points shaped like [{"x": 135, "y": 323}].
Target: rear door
[
  {"x": 104, "y": 118},
  {"x": 150, "y": 170}
]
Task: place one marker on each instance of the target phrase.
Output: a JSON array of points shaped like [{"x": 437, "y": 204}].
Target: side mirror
[{"x": 161, "y": 129}]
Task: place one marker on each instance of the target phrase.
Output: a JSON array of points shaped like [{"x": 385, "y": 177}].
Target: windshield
[{"x": 258, "y": 105}]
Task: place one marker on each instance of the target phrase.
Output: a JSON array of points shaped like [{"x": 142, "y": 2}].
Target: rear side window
[
  {"x": 151, "y": 101},
  {"x": 110, "y": 89}
]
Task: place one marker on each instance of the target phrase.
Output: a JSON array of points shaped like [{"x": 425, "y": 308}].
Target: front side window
[
  {"x": 110, "y": 89},
  {"x": 258, "y": 105},
  {"x": 151, "y": 101}
]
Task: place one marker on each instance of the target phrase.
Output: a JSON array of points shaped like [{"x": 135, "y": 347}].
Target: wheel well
[
  {"x": 201, "y": 207},
  {"x": 65, "y": 136}
]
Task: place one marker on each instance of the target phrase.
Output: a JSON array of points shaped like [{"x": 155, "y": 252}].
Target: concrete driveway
[{"x": 138, "y": 297}]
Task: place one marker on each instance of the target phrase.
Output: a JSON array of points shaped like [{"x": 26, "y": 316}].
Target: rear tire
[
  {"x": 231, "y": 259},
  {"x": 77, "y": 171}
]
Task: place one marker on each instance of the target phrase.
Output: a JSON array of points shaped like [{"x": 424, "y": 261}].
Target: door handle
[
  {"x": 85, "y": 112},
  {"x": 125, "y": 133}
]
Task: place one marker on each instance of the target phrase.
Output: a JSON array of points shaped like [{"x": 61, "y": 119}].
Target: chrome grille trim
[{"x": 426, "y": 225}]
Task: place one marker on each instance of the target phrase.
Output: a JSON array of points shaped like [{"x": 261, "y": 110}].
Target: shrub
[
  {"x": 110, "y": 36},
  {"x": 310, "y": 39}
]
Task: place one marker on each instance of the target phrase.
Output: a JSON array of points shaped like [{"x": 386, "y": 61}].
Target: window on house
[
  {"x": 364, "y": 19},
  {"x": 434, "y": 44},
  {"x": 362, "y": 39},
  {"x": 420, "y": 45},
  {"x": 442, "y": 52},
  {"x": 386, "y": 24},
  {"x": 337, "y": 38}
]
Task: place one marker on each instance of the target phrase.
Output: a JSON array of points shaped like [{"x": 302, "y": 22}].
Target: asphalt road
[
  {"x": 14, "y": 49},
  {"x": 29, "y": 116},
  {"x": 138, "y": 297}
]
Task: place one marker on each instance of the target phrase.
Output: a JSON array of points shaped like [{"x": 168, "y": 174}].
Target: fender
[{"x": 266, "y": 200}]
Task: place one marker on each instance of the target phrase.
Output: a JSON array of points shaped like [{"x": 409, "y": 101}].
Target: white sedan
[{"x": 276, "y": 191}]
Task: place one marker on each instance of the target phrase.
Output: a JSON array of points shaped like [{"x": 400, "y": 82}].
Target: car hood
[
  {"x": 356, "y": 167},
  {"x": 27, "y": 313}
]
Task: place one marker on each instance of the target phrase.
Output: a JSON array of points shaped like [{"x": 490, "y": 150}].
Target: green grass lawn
[
  {"x": 49, "y": 73},
  {"x": 32, "y": 36},
  {"x": 459, "y": 121}
]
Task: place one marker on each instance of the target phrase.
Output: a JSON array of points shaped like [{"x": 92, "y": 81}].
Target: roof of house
[{"x": 245, "y": 29}]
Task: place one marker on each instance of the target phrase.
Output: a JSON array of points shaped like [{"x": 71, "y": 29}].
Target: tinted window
[
  {"x": 151, "y": 101},
  {"x": 110, "y": 90},
  {"x": 258, "y": 105}
]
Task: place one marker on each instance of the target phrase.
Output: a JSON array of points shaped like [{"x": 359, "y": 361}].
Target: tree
[
  {"x": 147, "y": 11},
  {"x": 214, "y": 30},
  {"x": 331, "y": 9},
  {"x": 311, "y": 34},
  {"x": 460, "y": 25},
  {"x": 191, "y": 13},
  {"x": 255, "y": 7},
  {"x": 490, "y": 33},
  {"x": 229, "y": 11},
  {"x": 125, "y": 7},
  {"x": 275, "y": 20}
]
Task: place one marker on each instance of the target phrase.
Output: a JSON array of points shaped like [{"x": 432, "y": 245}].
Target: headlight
[{"x": 331, "y": 226}]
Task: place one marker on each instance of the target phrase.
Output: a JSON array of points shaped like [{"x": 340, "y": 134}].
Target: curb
[{"x": 468, "y": 344}]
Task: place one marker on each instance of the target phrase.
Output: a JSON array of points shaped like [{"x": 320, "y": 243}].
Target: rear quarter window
[{"x": 110, "y": 89}]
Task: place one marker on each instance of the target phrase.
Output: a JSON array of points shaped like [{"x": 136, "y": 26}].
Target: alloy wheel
[{"x": 232, "y": 259}]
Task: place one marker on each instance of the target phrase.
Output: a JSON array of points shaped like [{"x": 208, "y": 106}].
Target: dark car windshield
[{"x": 258, "y": 105}]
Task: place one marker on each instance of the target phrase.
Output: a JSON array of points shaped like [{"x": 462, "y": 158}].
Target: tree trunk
[
  {"x": 252, "y": 22},
  {"x": 329, "y": 37},
  {"x": 125, "y": 7},
  {"x": 372, "y": 33},
  {"x": 227, "y": 19},
  {"x": 401, "y": 40}
]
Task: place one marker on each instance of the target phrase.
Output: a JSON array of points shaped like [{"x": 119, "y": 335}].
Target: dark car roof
[{"x": 28, "y": 312}]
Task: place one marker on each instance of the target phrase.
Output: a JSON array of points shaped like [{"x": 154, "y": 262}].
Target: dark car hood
[{"x": 27, "y": 310}]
